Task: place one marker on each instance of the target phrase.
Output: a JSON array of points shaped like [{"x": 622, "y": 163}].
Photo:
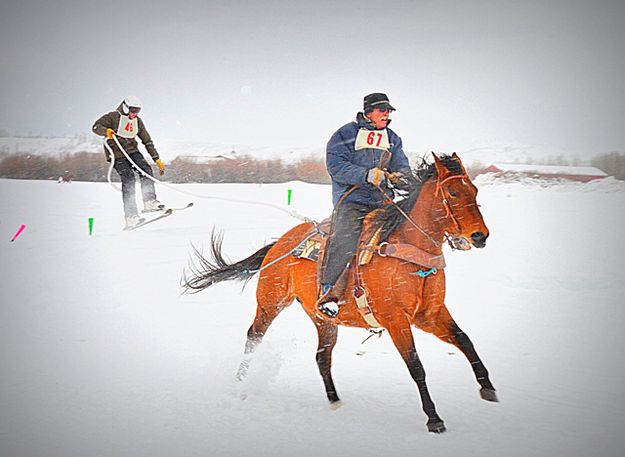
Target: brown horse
[{"x": 441, "y": 204}]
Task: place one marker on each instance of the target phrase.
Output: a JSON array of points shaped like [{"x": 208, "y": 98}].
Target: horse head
[
  {"x": 455, "y": 196},
  {"x": 447, "y": 206}
]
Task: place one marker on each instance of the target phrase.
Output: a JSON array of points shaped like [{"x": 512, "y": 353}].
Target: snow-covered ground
[{"x": 101, "y": 355}]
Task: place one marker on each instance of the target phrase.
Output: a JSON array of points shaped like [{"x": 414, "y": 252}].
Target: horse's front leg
[
  {"x": 444, "y": 327},
  {"x": 399, "y": 330},
  {"x": 461, "y": 340}
]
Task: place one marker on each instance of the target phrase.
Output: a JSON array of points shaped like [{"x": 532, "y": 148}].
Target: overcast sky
[{"x": 540, "y": 73}]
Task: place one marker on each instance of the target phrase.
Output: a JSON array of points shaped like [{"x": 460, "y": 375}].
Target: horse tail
[{"x": 217, "y": 269}]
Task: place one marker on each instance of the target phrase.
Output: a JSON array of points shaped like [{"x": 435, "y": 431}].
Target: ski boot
[
  {"x": 152, "y": 205},
  {"x": 133, "y": 221}
]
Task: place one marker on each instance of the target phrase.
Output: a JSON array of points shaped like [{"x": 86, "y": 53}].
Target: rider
[
  {"x": 125, "y": 123},
  {"x": 360, "y": 157}
]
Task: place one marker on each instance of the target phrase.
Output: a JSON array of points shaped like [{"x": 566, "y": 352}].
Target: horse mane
[{"x": 390, "y": 218}]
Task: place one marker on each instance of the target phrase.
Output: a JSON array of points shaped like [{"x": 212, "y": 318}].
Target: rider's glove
[
  {"x": 395, "y": 177},
  {"x": 376, "y": 176}
]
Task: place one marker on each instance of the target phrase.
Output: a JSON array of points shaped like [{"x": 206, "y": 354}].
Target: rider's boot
[{"x": 327, "y": 303}]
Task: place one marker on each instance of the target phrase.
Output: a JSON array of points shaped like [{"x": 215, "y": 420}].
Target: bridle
[
  {"x": 446, "y": 205},
  {"x": 448, "y": 211}
]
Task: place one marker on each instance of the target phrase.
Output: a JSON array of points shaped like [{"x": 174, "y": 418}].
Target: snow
[
  {"x": 549, "y": 169},
  {"x": 511, "y": 181},
  {"x": 102, "y": 355}
]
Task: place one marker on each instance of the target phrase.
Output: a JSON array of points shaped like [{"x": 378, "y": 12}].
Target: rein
[
  {"x": 407, "y": 217},
  {"x": 446, "y": 205}
]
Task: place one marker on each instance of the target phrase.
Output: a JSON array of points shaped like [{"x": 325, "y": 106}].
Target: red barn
[{"x": 583, "y": 174}]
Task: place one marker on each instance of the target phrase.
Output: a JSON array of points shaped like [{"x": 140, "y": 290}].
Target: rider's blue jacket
[{"x": 348, "y": 167}]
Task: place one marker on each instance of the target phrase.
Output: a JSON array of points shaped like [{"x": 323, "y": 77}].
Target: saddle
[
  {"x": 314, "y": 245},
  {"x": 313, "y": 248}
]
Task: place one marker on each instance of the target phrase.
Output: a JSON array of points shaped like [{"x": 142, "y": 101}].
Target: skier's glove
[
  {"x": 161, "y": 166},
  {"x": 376, "y": 176},
  {"x": 110, "y": 133}
]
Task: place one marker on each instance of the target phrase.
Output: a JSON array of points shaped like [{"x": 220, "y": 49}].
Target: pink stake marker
[{"x": 19, "y": 230}]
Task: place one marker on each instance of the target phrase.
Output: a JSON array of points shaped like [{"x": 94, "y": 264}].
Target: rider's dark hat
[{"x": 377, "y": 100}]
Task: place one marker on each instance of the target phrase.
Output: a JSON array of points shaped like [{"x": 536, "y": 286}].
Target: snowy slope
[
  {"x": 102, "y": 356},
  {"x": 169, "y": 148}
]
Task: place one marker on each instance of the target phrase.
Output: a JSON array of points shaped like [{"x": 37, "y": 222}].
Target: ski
[
  {"x": 189, "y": 205},
  {"x": 164, "y": 214}
]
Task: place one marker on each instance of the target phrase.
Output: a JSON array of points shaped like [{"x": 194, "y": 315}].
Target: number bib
[
  {"x": 372, "y": 139},
  {"x": 127, "y": 127}
]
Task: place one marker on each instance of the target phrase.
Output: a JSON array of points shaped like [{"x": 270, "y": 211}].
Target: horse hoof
[
  {"x": 336, "y": 405},
  {"x": 489, "y": 395},
  {"x": 436, "y": 426}
]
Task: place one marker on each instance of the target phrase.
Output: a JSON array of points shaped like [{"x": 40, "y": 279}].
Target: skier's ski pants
[{"x": 127, "y": 174}]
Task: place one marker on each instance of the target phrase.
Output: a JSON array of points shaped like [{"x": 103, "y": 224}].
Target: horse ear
[
  {"x": 455, "y": 156},
  {"x": 440, "y": 168}
]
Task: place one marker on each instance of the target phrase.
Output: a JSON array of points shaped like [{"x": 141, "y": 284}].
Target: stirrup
[{"x": 329, "y": 308}]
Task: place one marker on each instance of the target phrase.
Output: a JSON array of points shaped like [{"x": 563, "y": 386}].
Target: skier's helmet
[{"x": 132, "y": 101}]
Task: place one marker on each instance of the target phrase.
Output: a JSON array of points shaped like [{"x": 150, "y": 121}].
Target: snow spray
[{"x": 19, "y": 230}]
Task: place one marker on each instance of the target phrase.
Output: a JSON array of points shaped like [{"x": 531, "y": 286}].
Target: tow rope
[{"x": 291, "y": 213}]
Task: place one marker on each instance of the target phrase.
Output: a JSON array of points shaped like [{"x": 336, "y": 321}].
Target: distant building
[
  {"x": 206, "y": 160},
  {"x": 582, "y": 174}
]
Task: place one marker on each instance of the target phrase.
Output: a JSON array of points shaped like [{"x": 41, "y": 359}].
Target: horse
[
  {"x": 65, "y": 178},
  {"x": 440, "y": 205}
]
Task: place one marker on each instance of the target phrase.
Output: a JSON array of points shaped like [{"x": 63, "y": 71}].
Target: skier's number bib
[
  {"x": 372, "y": 139},
  {"x": 127, "y": 127}
]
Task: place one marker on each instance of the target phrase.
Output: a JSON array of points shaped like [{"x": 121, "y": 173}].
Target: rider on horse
[{"x": 361, "y": 157}]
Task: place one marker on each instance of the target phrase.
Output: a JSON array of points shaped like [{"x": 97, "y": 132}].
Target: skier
[
  {"x": 360, "y": 157},
  {"x": 125, "y": 123}
]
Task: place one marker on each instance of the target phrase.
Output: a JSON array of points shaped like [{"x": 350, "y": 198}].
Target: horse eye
[{"x": 453, "y": 194}]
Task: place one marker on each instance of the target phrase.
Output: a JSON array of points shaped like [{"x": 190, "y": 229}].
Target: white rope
[
  {"x": 108, "y": 174},
  {"x": 234, "y": 200}
]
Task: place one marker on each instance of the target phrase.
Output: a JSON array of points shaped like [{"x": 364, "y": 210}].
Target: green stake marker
[
  {"x": 288, "y": 197},
  {"x": 90, "y": 225}
]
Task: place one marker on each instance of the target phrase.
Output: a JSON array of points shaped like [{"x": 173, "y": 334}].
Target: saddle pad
[{"x": 309, "y": 250}]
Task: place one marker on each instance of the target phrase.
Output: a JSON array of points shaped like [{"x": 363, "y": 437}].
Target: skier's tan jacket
[{"x": 113, "y": 120}]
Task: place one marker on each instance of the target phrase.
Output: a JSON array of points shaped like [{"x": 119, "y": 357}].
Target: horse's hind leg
[
  {"x": 327, "y": 340},
  {"x": 265, "y": 315}
]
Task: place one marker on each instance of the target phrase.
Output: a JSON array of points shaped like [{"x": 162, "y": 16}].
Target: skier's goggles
[{"x": 134, "y": 110}]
